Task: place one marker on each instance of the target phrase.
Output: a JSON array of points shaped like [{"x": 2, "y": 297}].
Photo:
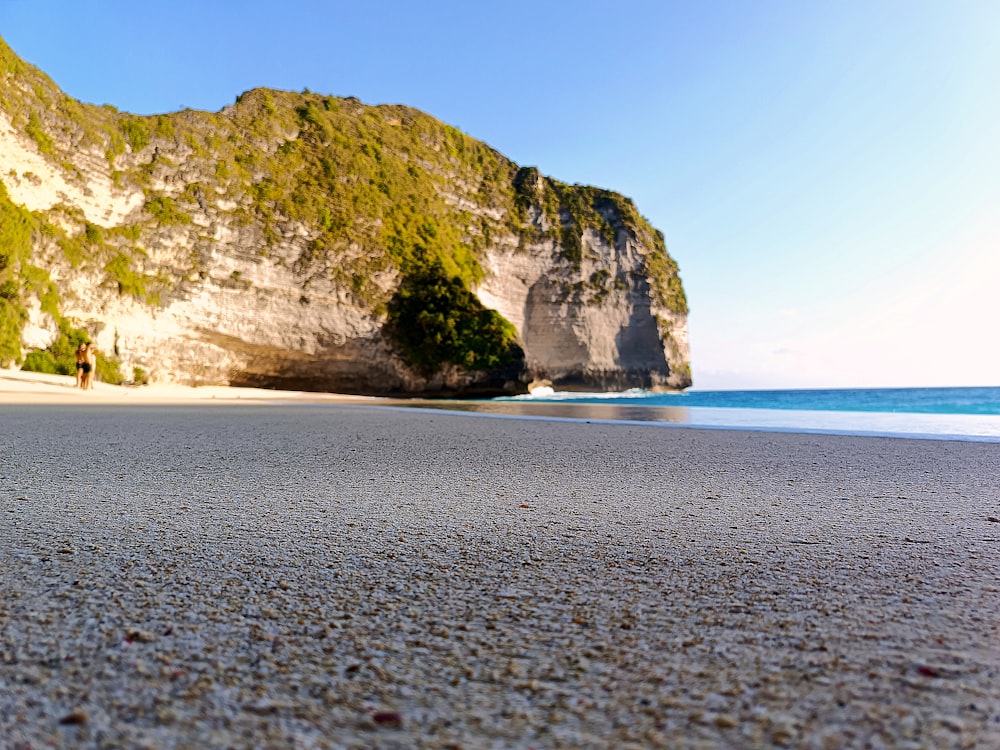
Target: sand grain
[{"x": 330, "y": 576}]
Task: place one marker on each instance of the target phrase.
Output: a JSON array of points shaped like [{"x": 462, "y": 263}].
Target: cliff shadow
[{"x": 639, "y": 344}]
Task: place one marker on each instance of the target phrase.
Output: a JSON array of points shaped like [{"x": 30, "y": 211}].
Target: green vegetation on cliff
[
  {"x": 386, "y": 179},
  {"x": 377, "y": 200},
  {"x": 437, "y": 321},
  {"x": 18, "y": 279},
  {"x": 16, "y": 227},
  {"x": 59, "y": 357}
]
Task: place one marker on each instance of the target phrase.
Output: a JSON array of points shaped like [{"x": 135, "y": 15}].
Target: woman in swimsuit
[
  {"x": 91, "y": 367},
  {"x": 82, "y": 366}
]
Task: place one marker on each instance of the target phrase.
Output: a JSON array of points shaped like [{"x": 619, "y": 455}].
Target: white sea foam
[
  {"x": 542, "y": 391},
  {"x": 546, "y": 393},
  {"x": 942, "y": 426}
]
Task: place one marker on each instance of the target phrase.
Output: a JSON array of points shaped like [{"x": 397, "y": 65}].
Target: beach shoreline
[
  {"x": 346, "y": 576},
  {"x": 17, "y": 387}
]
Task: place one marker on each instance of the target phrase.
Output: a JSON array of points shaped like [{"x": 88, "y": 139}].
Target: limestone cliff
[{"x": 268, "y": 244}]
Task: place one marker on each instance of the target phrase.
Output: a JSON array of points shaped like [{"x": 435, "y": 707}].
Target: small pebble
[{"x": 74, "y": 717}]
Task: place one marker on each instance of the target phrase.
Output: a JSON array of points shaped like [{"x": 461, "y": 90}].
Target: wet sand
[{"x": 337, "y": 575}]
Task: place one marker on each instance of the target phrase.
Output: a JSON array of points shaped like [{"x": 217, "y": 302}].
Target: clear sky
[{"x": 827, "y": 174}]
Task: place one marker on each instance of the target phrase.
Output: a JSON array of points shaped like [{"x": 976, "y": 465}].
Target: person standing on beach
[
  {"x": 91, "y": 370},
  {"x": 82, "y": 365}
]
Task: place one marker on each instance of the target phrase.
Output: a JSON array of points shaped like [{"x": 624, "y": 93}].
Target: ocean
[{"x": 938, "y": 413}]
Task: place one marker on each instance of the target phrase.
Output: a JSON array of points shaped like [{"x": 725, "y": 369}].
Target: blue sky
[{"x": 827, "y": 174}]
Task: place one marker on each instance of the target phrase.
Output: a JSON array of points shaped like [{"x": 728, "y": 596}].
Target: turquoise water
[
  {"x": 889, "y": 400},
  {"x": 944, "y": 413}
]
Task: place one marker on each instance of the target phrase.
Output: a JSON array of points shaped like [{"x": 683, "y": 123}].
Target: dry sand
[
  {"x": 19, "y": 387},
  {"x": 333, "y": 575}
]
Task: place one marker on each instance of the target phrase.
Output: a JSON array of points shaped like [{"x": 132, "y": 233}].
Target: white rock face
[
  {"x": 39, "y": 332},
  {"x": 602, "y": 333},
  {"x": 39, "y": 185}
]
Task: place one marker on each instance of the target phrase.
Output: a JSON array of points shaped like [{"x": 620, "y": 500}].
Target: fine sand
[
  {"x": 19, "y": 387},
  {"x": 186, "y": 573}
]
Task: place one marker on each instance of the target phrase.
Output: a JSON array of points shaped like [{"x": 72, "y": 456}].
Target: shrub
[
  {"x": 43, "y": 361},
  {"x": 12, "y": 319},
  {"x": 109, "y": 370},
  {"x": 119, "y": 268},
  {"x": 65, "y": 346},
  {"x": 135, "y": 132},
  {"x": 165, "y": 211},
  {"x": 60, "y": 357},
  {"x": 16, "y": 226},
  {"x": 74, "y": 248},
  {"x": 435, "y": 320},
  {"x": 94, "y": 234},
  {"x": 38, "y": 135}
]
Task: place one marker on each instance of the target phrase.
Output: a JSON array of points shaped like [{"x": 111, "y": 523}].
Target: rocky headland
[{"x": 310, "y": 242}]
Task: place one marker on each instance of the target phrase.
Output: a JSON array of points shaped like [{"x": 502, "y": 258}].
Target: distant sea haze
[{"x": 940, "y": 413}]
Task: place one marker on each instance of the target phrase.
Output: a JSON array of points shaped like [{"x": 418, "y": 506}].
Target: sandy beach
[
  {"x": 19, "y": 387},
  {"x": 184, "y": 568}
]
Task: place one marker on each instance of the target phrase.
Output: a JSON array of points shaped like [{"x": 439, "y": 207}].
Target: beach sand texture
[{"x": 345, "y": 576}]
